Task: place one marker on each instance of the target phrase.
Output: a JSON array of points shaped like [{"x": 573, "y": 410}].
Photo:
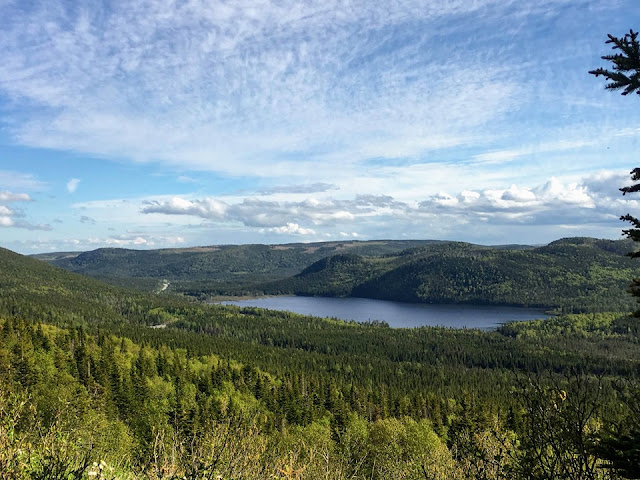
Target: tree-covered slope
[
  {"x": 575, "y": 274},
  {"x": 224, "y": 262},
  {"x": 33, "y": 289},
  {"x": 236, "y": 392}
]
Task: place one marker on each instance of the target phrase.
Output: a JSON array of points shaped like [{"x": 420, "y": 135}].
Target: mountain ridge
[{"x": 572, "y": 274}]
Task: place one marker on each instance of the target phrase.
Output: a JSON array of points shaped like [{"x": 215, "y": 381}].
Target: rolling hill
[
  {"x": 223, "y": 264},
  {"x": 574, "y": 274}
]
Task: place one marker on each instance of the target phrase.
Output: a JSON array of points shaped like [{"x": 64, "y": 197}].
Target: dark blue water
[{"x": 397, "y": 314}]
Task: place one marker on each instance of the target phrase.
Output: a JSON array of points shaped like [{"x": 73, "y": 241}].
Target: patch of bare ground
[{"x": 202, "y": 249}]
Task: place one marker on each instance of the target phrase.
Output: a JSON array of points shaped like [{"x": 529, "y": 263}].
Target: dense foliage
[
  {"x": 571, "y": 275},
  {"x": 162, "y": 387},
  {"x": 219, "y": 266}
]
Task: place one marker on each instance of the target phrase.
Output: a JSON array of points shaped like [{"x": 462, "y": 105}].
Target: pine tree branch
[
  {"x": 631, "y": 189},
  {"x": 627, "y": 61}
]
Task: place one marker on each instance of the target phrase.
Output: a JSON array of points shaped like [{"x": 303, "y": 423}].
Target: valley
[
  {"x": 325, "y": 394},
  {"x": 569, "y": 275}
]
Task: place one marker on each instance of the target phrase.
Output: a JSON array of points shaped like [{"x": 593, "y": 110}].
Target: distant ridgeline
[
  {"x": 223, "y": 267},
  {"x": 569, "y": 275}
]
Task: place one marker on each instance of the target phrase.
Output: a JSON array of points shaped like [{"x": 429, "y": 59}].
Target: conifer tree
[
  {"x": 626, "y": 64},
  {"x": 621, "y": 448},
  {"x": 625, "y": 76}
]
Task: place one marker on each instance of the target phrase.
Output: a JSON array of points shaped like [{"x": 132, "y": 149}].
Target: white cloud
[
  {"x": 501, "y": 156},
  {"x": 534, "y": 213},
  {"x": 72, "y": 185},
  {"x": 124, "y": 241},
  {"x": 237, "y": 88},
  {"x": 133, "y": 240},
  {"x": 590, "y": 200},
  {"x": 516, "y": 194},
  {"x": 444, "y": 199},
  {"x": 553, "y": 202},
  {"x": 554, "y": 191},
  {"x": 255, "y": 212},
  {"x": 14, "y": 197},
  {"x": 293, "y": 228},
  {"x": 14, "y": 217},
  {"x": 140, "y": 241},
  {"x": 520, "y": 203},
  {"x": 208, "y": 208}
]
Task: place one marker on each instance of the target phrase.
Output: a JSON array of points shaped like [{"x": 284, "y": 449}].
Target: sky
[{"x": 166, "y": 123}]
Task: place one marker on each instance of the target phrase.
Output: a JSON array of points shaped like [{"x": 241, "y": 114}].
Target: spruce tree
[
  {"x": 621, "y": 447},
  {"x": 625, "y": 76}
]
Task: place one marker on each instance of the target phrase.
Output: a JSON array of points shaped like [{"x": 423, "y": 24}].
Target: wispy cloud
[
  {"x": 309, "y": 188},
  {"x": 9, "y": 218},
  {"x": 21, "y": 181},
  {"x": 232, "y": 88},
  {"x": 186, "y": 179},
  {"x": 324, "y": 119},
  {"x": 14, "y": 197},
  {"x": 31, "y": 226},
  {"x": 500, "y": 156}
]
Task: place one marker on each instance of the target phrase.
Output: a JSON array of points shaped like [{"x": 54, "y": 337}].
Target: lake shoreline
[
  {"x": 218, "y": 299},
  {"x": 395, "y": 314}
]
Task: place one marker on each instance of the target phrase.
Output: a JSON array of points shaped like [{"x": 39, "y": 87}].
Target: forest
[
  {"x": 218, "y": 265},
  {"x": 98, "y": 381},
  {"x": 571, "y": 275}
]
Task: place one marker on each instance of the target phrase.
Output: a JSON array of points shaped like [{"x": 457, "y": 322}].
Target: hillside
[
  {"x": 191, "y": 268},
  {"x": 574, "y": 274},
  {"x": 569, "y": 275},
  {"x": 28, "y": 286},
  {"x": 247, "y": 393}
]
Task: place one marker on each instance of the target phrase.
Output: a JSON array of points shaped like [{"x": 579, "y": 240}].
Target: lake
[{"x": 397, "y": 314}]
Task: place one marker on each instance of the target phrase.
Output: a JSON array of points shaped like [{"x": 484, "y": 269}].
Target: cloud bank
[{"x": 593, "y": 200}]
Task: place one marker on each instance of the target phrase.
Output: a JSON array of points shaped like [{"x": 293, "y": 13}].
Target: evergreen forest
[
  {"x": 570, "y": 275},
  {"x": 99, "y": 381}
]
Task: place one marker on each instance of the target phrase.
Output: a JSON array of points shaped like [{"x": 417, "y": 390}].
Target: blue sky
[{"x": 167, "y": 123}]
